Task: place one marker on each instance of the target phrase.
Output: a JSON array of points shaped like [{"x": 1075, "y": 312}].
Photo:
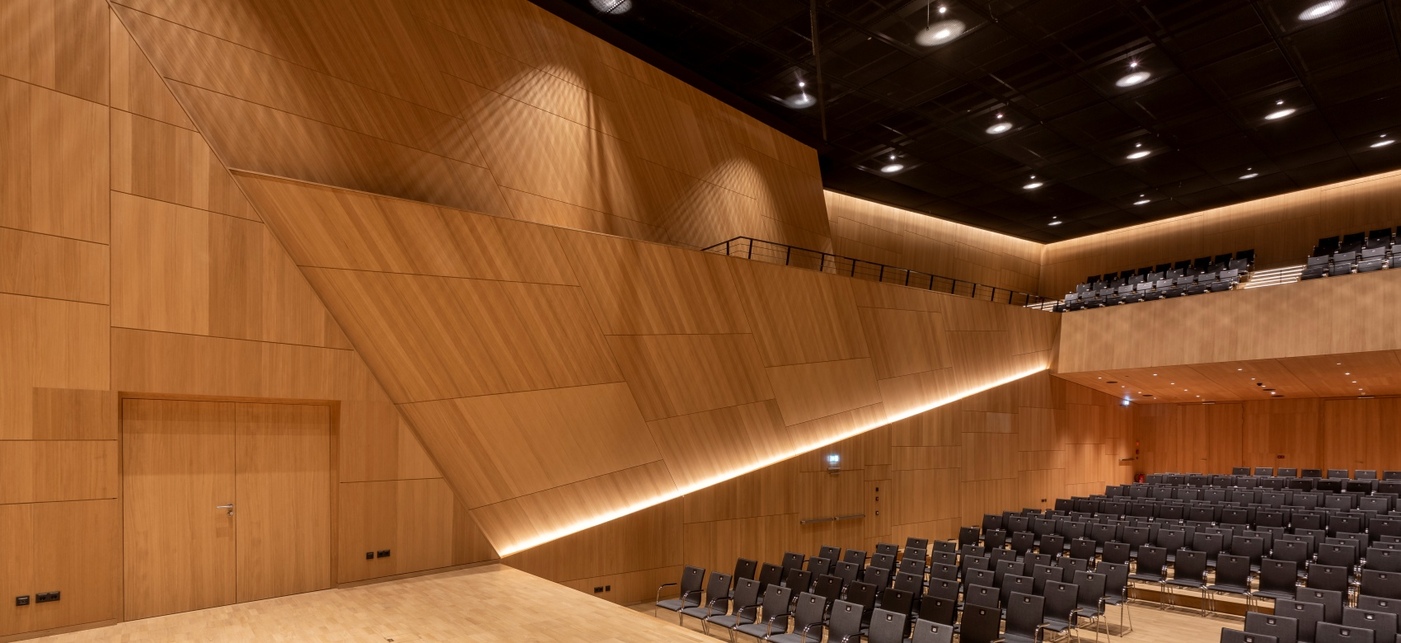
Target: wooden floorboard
[{"x": 491, "y": 603}]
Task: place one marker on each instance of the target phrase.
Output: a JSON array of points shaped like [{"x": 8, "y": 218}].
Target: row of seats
[
  {"x": 1356, "y": 252},
  {"x": 967, "y": 598},
  {"x": 1202, "y": 275}
]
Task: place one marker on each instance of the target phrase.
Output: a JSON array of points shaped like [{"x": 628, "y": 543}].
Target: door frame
[{"x": 334, "y": 407}]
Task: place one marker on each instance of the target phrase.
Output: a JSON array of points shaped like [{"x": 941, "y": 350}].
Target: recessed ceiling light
[
  {"x": 1384, "y": 142},
  {"x": 616, "y": 6},
  {"x": 1250, "y": 173},
  {"x": 1033, "y": 185},
  {"x": 940, "y": 33},
  {"x": 1133, "y": 79},
  {"x": 1139, "y": 154},
  {"x": 801, "y": 100},
  {"x": 1279, "y": 113},
  {"x": 1002, "y": 126},
  {"x": 1322, "y": 9},
  {"x": 891, "y": 168},
  {"x": 1143, "y": 202},
  {"x": 1054, "y": 223}
]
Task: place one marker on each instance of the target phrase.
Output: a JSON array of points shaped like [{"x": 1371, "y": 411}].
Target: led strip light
[{"x": 595, "y": 521}]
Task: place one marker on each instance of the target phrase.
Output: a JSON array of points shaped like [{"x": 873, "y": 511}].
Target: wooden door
[
  {"x": 284, "y": 500},
  {"x": 178, "y": 467}
]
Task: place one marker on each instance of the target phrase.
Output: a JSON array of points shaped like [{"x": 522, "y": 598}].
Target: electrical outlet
[
  {"x": 383, "y": 553},
  {"x": 607, "y": 588},
  {"x": 369, "y": 555},
  {"x": 21, "y": 601},
  {"x": 47, "y": 597},
  {"x": 598, "y": 590}
]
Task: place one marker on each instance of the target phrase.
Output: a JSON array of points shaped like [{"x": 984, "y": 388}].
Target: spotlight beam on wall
[{"x": 594, "y": 521}]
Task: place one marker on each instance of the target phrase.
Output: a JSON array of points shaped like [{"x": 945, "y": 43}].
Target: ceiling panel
[{"x": 1050, "y": 67}]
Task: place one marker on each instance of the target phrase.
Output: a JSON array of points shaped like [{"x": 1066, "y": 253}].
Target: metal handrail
[{"x": 782, "y": 253}]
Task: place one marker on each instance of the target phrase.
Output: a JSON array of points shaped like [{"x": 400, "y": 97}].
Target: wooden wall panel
[
  {"x": 49, "y": 344},
  {"x": 546, "y": 124},
  {"x": 54, "y": 267},
  {"x": 883, "y": 234},
  {"x": 411, "y": 518},
  {"x": 1281, "y": 229},
  {"x": 1310, "y": 318},
  {"x": 55, "y": 470},
  {"x": 1295, "y": 432},
  {"x": 73, "y": 547}
]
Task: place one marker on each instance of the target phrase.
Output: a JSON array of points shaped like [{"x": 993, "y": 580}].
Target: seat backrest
[
  {"x": 1309, "y": 615},
  {"x": 887, "y": 627},
  {"x": 1116, "y": 578},
  {"x": 983, "y": 595},
  {"x": 912, "y": 542},
  {"x": 1382, "y": 624},
  {"x": 1072, "y": 565},
  {"x": 1151, "y": 559},
  {"x": 1024, "y": 614},
  {"x": 717, "y": 591},
  {"x": 847, "y": 571},
  {"x": 1331, "y": 601},
  {"x": 829, "y": 552},
  {"x": 877, "y": 576},
  {"x": 792, "y": 561},
  {"x": 1278, "y": 575},
  {"x": 979, "y": 624},
  {"x": 909, "y": 582},
  {"x": 1060, "y": 599},
  {"x": 863, "y": 594},
  {"x": 1189, "y": 564},
  {"x": 938, "y": 609},
  {"x": 1043, "y": 573},
  {"x": 1335, "y": 633},
  {"x": 770, "y": 574},
  {"x": 1229, "y": 635},
  {"x": 819, "y": 565},
  {"x": 899, "y": 600},
  {"x": 828, "y": 587},
  {"x": 798, "y": 580},
  {"x": 1378, "y": 604},
  {"x": 692, "y": 579},
  {"x": 891, "y": 549},
  {"x": 881, "y": 560},
  {"x": 1233, "y": 570},
  {"x": 931, "y": 632},
  {"x": 1089, "y": 589},
  {"x": 985, "y": 577},
  {"x": 776, "y": 600},
  {"x": 855, "y": 556},
  {"x": 811, "y": 609},
  {"x": 845, "y": 621},
  {"x": 746, "y": 597},
  {"x": 1012, "y": 584},
  {"x": 1381, "y": 584},
  {"x": 1285, "y": 629}
]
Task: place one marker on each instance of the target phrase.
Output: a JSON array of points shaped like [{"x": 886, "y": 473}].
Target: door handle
[{"x": 229, "y": 506}]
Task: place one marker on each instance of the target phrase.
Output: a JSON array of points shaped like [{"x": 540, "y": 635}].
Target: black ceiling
[{"x": 1049, "y": 66}]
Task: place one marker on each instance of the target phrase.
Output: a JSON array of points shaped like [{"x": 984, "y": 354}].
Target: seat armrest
[{"x": 662, "y": 587}]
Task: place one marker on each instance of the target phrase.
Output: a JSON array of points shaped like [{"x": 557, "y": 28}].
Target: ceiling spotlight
[
  {"x": 1279, "y": 113},
  {"x": 892, "y": 167},
  {"x": 1055, "y": 223},
  {"x": 940, "y": 32},
  {"x": 1032, "y": 185},
  {"x": 943, "y": 10},
  {"x": 1384, "y": 142},
  {"x": 616, "y": 7},
  {"x": 1322, "y": 9},
  {"x": 1133, "y": 156},
  {"x": 1000, "y": 126},
  {"x": 1133, "y": 78},
  {"x": 1249, "y": 175},
  {"x": 1143, "y": 200},
  {"x": 801, "y": 100}
]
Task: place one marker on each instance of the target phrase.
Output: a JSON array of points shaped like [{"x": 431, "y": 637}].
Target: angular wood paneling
[
  {"x": 497, "y": 107},
  {"x": 54, "y": 470},
  {"x": 53, "y": 267},
  {"x": 52, "y": 189},
  {"x": 75, "y": 546},
  {"x": 673, "y": 375},
  {"x": 49, "y": 344},
  {"x": 58, "y": 45},
  {"x": 883, "y": 234},
  {"x": 411, "y": 518}
]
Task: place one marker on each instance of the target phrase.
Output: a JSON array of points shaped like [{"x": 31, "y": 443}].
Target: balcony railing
[{"x": 784, "y": 254}]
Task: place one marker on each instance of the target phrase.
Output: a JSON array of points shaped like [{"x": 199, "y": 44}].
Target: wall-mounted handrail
[{"x": 782, "y": 253}]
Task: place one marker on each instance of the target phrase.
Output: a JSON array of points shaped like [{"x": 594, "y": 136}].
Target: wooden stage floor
[{"x": 490, "y": 603}]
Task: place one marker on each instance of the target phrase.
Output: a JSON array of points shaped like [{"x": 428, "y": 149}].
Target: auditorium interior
[{"x": 803, "y": 321}]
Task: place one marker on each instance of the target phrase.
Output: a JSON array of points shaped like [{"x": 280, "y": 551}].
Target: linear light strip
[{"x": 595, "y": 521}]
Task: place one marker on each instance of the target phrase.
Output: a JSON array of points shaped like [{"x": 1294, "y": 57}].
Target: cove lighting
[
  {"x": 1322, "y": 9},
  {"x": 614, "y": 7},
  {"x": 594, "y": 521},
  {"x": 940, "y": 32}
]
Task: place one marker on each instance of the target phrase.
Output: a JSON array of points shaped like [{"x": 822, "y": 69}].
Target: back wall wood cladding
[
  {"x": 131, "y": 264},
  {"x": 894, "y": 237},
  {"x": 1303, "y": 433},
  {"x": 1019, "y": 445},
  {"x": 1281, "y": 229},
  {"x": 562, "y": 377},
  {"x": 494, "y": 106},
  {"x": 1311, "y": 318}
]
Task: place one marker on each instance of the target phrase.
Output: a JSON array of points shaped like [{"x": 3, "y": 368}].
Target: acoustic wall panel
[{"x": 636, "y": 372}]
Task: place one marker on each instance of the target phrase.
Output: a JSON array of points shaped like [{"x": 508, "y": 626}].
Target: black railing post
[
  {"x": 907, "y": 277},
  {"x": 822, "y": 262},
  {"x": 788, "y": 258},
  {"x": 853, "y": 267},
  {"x": 880, "y": 277},
  {"x": 727, "y": 247},
  {"x": 751, "y": 248}
]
